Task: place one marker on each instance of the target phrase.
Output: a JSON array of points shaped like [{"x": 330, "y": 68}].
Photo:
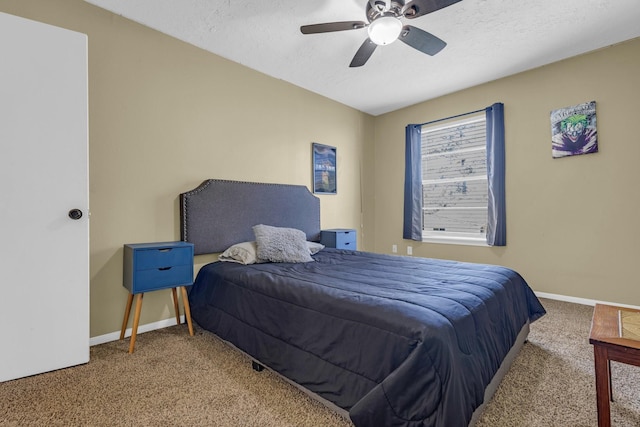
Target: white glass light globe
[{"x": 385, "y": 30}]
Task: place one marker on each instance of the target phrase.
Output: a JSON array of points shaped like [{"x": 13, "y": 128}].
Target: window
[
  {"x": 454, "y": 189},
  {"x": 454, "y": 179}
]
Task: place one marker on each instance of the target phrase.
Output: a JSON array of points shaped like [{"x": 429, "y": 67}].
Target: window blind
[{"x": 454, "y": 176}]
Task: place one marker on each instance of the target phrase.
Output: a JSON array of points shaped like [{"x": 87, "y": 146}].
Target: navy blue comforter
[{"x": 396, "y": 341}]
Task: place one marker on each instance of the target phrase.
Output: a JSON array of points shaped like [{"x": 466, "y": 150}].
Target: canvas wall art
[
  {"x": 573, "y": 130},
  {"x": 324, "y": 169}
]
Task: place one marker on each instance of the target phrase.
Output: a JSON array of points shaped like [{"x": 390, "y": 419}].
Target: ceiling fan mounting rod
[
  {"x": 385, "y": 5},
  {"x": 379, "y": 8}
]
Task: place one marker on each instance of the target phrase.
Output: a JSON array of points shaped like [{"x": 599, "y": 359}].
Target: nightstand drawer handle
[
  {"x": 164, "y": 268},
  {"x": 164, "y": 250}
]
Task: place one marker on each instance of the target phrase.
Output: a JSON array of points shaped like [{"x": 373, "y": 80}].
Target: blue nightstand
[
  {"x": 153, "y": 266},
  {"x": 339, "y": 238}
]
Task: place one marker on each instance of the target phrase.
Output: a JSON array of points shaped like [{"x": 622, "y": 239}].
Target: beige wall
[
  {"x": 164, "y": 116},
  {"x": 572, "y": 223}
]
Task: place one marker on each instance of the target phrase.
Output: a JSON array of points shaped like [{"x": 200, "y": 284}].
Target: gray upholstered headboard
[{"x": 220, "y": 213}]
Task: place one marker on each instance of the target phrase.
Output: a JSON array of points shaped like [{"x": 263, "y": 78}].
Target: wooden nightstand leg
[
  {"x": 187, "y": 309},
  {"x": 174, "y": 293},
  {"x": 126, "y": 316},
  {"x": 136, "y": 320}
]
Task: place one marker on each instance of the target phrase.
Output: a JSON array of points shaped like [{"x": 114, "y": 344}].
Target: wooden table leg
[
  {"x": 187, "y": 309},
  {"x": 136, "y": 320},
  {"x": 610, "y": 381},
  {"x": 603, "y": 391},
  {"x": 126, "y": 316},
  {"x": 174, "y": 293}
]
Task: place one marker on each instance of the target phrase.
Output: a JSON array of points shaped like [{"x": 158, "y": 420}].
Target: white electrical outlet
[
  {"x": 409, "y": 250},
  {"x": 394, "y": 249}
]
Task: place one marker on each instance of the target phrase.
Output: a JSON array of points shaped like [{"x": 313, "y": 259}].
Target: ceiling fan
[{"x": 385, "y": 27}]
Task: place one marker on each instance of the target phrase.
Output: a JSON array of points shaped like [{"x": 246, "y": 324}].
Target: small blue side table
[
  {"x": 153, "y": 266},
  {"x": 339, "y": 238}
]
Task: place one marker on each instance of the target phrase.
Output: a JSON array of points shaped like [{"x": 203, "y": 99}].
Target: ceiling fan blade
[
  {"x": 421, "y": 40},
  {"x": 363, "y": 54},
  {"x": 332, "y": 26},
  {"x": 416, "y": 8}
]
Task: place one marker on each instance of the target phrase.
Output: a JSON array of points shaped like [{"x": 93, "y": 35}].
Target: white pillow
[
  {"x": 314, "y": 247},
  {"x": 247, "y": 253},
  {"x": 280, "y": 244},
  {"x": 242, "y": 253}
]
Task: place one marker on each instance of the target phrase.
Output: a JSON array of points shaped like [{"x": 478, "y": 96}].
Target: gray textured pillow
[{"x": 279, "y": 244}]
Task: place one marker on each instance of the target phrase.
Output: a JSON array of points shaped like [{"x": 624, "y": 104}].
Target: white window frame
[{"x": 450, "y": 237}]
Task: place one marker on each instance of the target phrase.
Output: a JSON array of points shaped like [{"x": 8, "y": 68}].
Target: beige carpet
[{"x": 174, "y": 379}]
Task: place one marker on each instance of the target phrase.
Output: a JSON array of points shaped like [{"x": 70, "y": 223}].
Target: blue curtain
[
  {"x": 412, "y": 228},
  {"x": 497, "y": 228}
]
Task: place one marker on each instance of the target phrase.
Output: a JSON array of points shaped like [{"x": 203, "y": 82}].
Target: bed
[{"x": 390, "y": 340}]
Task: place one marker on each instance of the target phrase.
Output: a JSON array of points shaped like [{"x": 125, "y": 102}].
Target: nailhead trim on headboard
[{"x": 220, "y": 213}]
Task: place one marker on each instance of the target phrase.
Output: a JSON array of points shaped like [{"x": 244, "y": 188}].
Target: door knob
[{"x": 75, "y": 214}]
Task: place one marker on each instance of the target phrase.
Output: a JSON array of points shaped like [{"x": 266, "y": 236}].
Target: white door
[{"x": 44, "y": 253}]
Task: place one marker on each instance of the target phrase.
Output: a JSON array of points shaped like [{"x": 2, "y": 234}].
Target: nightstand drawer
[
  {"x": 163, "y": 277},
  {"x": 346, "y": 239},
  {"x": 153, "y": 266},
  {"x": 147, "y": 259},
  {"x": 339, "y": 238}
]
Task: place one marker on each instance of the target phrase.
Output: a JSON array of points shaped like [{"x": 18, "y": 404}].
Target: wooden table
[{"x": 615, "y": 335}]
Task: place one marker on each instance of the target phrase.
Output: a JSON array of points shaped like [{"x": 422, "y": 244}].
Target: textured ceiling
[{"x": 487, "y": 40}]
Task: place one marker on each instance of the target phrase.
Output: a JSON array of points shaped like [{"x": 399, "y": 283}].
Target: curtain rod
[{"x": 452, "y": 117}]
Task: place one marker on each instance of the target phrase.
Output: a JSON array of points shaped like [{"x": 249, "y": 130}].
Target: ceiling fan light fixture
[{"x": 385, "y": 30}]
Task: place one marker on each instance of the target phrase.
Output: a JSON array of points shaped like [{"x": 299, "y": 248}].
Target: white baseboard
[
  {"x": 115, "y": 336},
  {"x": 583, "y": 301}
]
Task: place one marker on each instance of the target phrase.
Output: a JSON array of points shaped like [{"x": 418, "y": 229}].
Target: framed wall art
[
  {"x": 324, "y": 169},
  {"x": 573, "y": 130}
]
